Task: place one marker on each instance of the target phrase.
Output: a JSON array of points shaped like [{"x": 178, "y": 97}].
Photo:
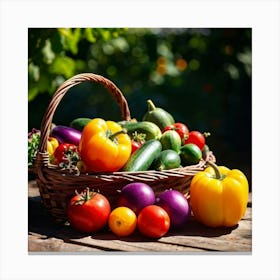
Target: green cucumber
[
  {"x": 150, "y": 129},
  {"x": 167, "y": 159},
  {"x": 158, "y": 116},
  {"x": 80, "y": 123},
  {"x": 142, "y": 158},
  {"x": 171, "y": 140},
  {"x": 190, "y": 154}
]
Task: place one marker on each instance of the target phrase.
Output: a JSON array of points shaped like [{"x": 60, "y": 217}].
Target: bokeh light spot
[{"x": 181, "y": 64}]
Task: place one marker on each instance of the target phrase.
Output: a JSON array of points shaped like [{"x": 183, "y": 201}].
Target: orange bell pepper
[
  {"x": 219, "y": 196},
  {"x": 104, "y": 146}
]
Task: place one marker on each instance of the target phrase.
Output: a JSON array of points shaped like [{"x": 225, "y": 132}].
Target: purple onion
[
  {"x": 65, "y": 134},
  {"x": 176, "y": 205},
  {"x": 136, "y": 196}
]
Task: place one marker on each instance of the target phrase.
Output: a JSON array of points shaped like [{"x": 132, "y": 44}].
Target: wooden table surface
[{"x": 46, "y": 236}]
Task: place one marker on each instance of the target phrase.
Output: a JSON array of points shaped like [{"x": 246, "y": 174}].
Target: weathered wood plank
[
  {"x": 119, "y": 245},
  {"x": 206, "y": 243},
  {"x": 134, "y": 243},
  {"x": 36, "y": 244}
]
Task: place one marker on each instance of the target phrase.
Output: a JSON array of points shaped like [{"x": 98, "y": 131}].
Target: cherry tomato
[
  {"x": 88, "y": 211},
  {"x": 197, "y": 138},
  {"x": 153, "y": 221},
  {"x": 137, "y": 140},
  {"x": 180, "y": 128},
  {"x": 66, "y": 153},
  {"x": 122, "y": 221},
  {"x": 135, "y": 146}
]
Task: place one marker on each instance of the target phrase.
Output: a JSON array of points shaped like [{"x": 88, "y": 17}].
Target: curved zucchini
[
  {"x": 150, "y": 129},
  {"x": 158, "y": 116},
  {"x": 80, "y": 123}
]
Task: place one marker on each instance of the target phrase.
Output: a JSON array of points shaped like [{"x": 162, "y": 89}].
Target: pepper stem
[
  {"x": 151, "y": 105},
  {"x": 218, "y": 174},
  {"x": 114, "y": 135}
]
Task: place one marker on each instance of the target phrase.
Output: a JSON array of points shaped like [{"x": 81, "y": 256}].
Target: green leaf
[
  {"x": 70, "y": 38},
  {"x": 33, "y": 72},
  {"x": 47, "y": 52},
  {"x": 63, "y": 65},
  {"x": 32, "y": 93},
  {"x": 89, "y": 35}
]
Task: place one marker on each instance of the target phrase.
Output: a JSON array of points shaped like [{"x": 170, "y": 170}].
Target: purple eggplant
[{"x": 66, "y": 134}]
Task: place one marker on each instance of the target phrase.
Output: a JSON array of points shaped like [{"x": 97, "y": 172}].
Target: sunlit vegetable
[
  {"x": 153, "y": 221},
  {"x": 136, "y": 196},
  {"x": 104, "y": 146},
  {"x": 88, "y": 211},
  {"x": 122, "y": 221},
  {"x": 219, "y": 196},
  {"x": 65, "y": 134},
  {"x": 52, "y": 144},
  {"x": 176, "y": 205}
]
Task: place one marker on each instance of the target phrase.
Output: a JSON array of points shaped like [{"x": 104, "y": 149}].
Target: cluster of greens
[{"x": 33, "y": 144}]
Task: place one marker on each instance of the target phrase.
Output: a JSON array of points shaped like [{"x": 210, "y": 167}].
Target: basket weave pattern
[{"x": 57, "y": 186}]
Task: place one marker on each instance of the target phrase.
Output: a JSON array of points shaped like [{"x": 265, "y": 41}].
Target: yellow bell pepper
[
  {"x": 52, "y": 144},
  {"x": 219, "y": 196}
]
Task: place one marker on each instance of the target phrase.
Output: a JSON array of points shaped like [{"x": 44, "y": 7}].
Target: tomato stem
[
  {"x": 138, "y": 137},
  {"x": 206, "y": 134},
  {"x": 218, "y": 174},
  {"x": 84, "y": 196}
]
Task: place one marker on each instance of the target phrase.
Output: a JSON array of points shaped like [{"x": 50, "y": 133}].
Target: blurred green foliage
[{"x": 201, "y": 76}]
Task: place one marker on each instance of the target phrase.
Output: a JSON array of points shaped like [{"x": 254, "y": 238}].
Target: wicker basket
[{"x": 57, "y": 186}]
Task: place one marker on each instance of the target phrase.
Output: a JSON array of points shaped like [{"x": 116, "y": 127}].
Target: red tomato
[
  {"x": 137, "y": 140},
  {"x": 66, "y": 153},
  {"x": 153, "y": 221},
  {"x": 135, "y": 146},
  {"x": 88, "y": 211},
  {"x": 180, "y": 128},
  {"x": 197, "y": 138}
]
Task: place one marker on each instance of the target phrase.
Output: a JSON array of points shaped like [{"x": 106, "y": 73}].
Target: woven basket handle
[{"x": 62, "y": 90}]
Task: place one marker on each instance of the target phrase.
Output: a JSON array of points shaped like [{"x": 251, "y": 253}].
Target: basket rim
[{"x": 147, "y": 175}]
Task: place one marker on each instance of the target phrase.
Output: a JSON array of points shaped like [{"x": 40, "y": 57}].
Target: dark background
[{"x": 201, "y": 76}]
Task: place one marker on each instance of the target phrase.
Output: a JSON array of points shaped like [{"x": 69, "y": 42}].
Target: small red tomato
[
  {"x": 153, "y": 221},
  {"x": 66, "y": 153},
  {"x": 88, "y": 211},
  {"x": 197, "y": 138},
  {"x": 137, "y": 140},
  {"x": 180, "y": 128},
  {"x": 135, "y": 146}
]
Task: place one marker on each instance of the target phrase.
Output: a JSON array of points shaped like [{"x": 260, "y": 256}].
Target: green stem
[
  {"x": 84, "y": 196},
  {"x": 151, "y": 105},
  {"x": 114, "y": 135},
  {"x": 206, "y": 134},
  {"x": 216, "y": 169},
  {"x": 88, "y": 196}
]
